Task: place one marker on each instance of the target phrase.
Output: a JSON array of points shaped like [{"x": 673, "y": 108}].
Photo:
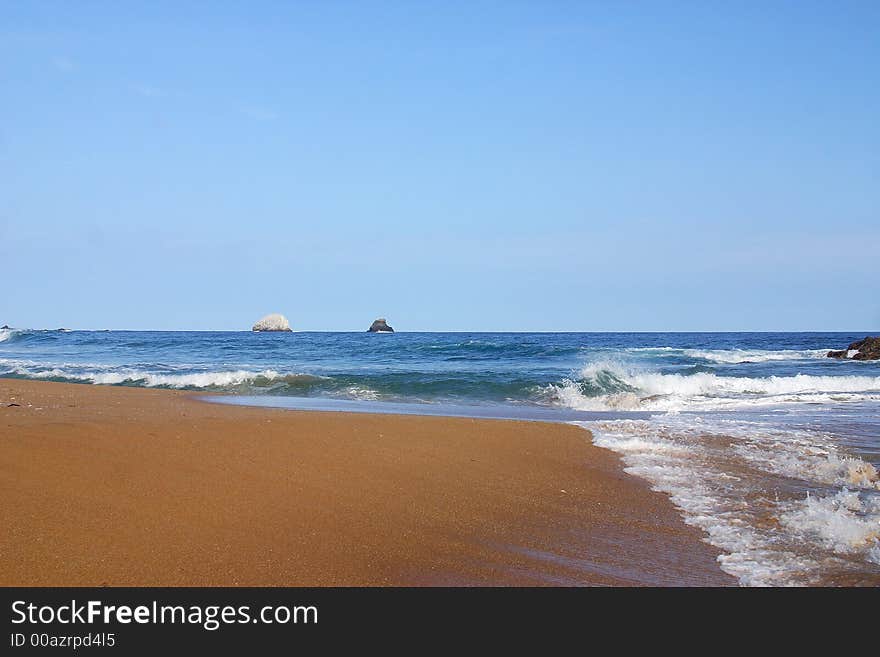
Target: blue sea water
[{"x": 760, "y": 440}]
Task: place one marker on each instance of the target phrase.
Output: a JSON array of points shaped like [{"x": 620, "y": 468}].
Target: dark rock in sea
[
  {"x": 380, "y": 326},
  {"x": 5, "y": 326},
  {"x": 867, "y": 349}
]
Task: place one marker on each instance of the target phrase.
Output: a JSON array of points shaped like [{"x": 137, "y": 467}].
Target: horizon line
[{"x": 561, "y": 331}]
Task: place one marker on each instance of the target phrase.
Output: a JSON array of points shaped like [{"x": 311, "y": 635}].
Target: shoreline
[
  {"x": 484, "y": 411},
  {"x": 120, "y": 486}
]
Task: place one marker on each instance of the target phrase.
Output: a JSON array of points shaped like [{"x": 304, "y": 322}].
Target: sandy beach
[{"x": 127, "y": 486}]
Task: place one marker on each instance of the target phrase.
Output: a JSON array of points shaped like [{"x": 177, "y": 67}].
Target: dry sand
[{"x": 124, "y": 486}]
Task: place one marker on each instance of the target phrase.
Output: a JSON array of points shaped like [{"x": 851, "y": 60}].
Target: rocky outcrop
[
  {"x": 5, "y": 326},
  {"x": 380, "y": 326},
  {"x": 273, "y": 322},
  {"x": 867, "y": 349}
]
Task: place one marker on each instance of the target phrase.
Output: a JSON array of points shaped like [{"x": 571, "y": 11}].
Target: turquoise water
[{"x": 760, "y": 440}]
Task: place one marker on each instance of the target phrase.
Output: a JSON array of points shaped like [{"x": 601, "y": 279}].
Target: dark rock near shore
[
  {"x": 5, "y": 326},
  {"x": 380, "y": 326},
  {"x": 867, "y": 349}
]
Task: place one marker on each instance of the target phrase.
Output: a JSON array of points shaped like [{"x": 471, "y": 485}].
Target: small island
[
  {"x": 380, "y": 326},
  {"x": 867, "y": 349},
  {"x": 274, "y": 322}
]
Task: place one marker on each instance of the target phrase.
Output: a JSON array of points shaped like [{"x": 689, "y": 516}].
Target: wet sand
[{"x": 125, "y": 487}]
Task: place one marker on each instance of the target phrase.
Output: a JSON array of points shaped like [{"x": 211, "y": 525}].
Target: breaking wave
[
  {"x": 613, "y": 386},
  {"x": 15, "y": 335},
  {"x": 9, "y": 334},
  {"x": 209, "y": 380}
]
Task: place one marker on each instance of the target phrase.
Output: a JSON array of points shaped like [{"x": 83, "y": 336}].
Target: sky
[{"x": 524, "y": 166}]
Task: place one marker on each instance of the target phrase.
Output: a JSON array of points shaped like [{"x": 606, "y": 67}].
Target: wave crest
[
  {"x": 211, "y": 380},
  {"x": 9, "y": 334},
  {"x": 611, "y": 386}
]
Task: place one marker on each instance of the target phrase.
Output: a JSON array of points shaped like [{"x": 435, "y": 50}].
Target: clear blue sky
[{"x": 451, "y": 166}]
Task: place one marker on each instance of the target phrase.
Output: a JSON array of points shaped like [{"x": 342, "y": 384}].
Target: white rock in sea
[{"x": 274, "y": 322}]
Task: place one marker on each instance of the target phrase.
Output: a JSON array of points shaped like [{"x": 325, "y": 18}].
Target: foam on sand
[{"x": 744, "y": 483}]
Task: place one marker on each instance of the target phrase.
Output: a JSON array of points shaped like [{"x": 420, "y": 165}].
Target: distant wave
[
  {"x": 16, "y": 334},
  {"x": 9, "y": 334},
  {"x": 612, "y": 386},
  {"x": 731, "y": 356},
  {"x": 486, "y": 349}
]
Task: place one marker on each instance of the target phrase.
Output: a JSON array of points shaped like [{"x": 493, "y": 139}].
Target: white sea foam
[
  {"x": 196, "y": 380},
  {"x": 104, "y": 375},
  {"x": 361, "y": 392},
  {"x": 731, "y": 356},
  {"x": 845, "y": 523},
  {"x": 609, "y": 385},
  {"x": 723, "y": 476}
]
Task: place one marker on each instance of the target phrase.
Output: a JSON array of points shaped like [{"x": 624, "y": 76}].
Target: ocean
[{"x": 761, "y": 441}]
